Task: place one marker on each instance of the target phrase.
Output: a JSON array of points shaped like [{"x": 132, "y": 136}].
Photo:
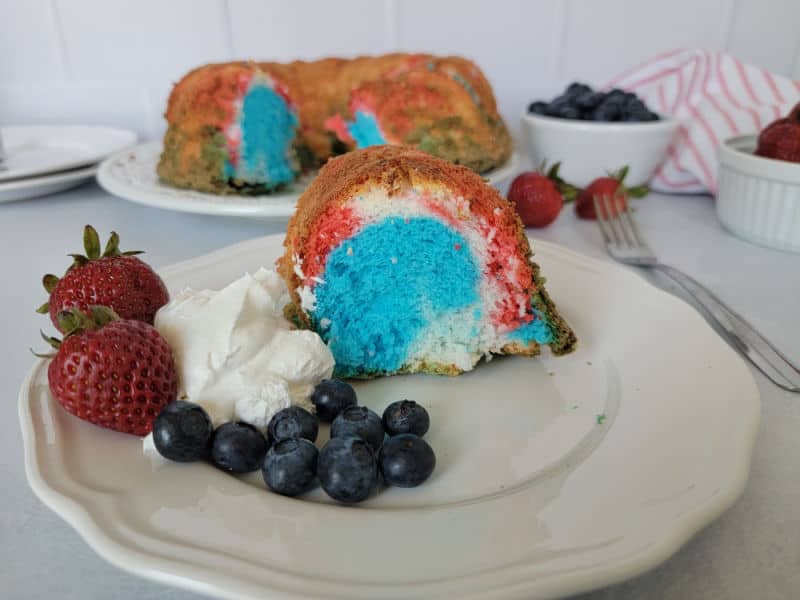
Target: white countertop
[{"x": 753, "y": 551}]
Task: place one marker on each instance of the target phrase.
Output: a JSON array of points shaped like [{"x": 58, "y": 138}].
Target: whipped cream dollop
[{"x": 236, "y": 354}]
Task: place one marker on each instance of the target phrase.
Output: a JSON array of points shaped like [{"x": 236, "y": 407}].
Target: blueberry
[
  {"x": 537, "y": 108},
  {"x": 576, "y": 89},
  {"x": 406, "y": 416},
  {"x": 290, "y": 466},
  {"x": 607, "y": 111},
  {"x": 406, "y": 460},
  {"x": 563, "y": 99},
  {"x": 635, "y": 116},
  {"x": 618, "y": 101},
  {"x": 182, "y": 432},
  {"x": 589, "y": 100},
  {"x": 359, "y": 421},
  {"x": 569, "y": 112},
  {"x": 559, "y": 102},
  {"x": 332, "y": 396},
  {"x": 347, "y": 469},
  {"x": 554, "y": 108},
  {"x": 635, "y": 105},
  {"x": 238, "y": 447},
  {"x": 292, "y": 422}
]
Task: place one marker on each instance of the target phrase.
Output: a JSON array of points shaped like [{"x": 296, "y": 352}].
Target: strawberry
[
  {"x": 116, "y": 373},
  {"x": 539, "y": 196},
  {"x": 795, "y": 112},
  {"x": 781, "y": 139},
  {"x": 115, "y": 279},
  {"x": 614, "y": 186}
]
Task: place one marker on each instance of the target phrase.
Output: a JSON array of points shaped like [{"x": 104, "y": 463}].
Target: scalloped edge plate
[{"x": 673, "y": 453}]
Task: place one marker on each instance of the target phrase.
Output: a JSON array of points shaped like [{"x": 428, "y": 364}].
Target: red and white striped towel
[{"x": 713, "y": 96}]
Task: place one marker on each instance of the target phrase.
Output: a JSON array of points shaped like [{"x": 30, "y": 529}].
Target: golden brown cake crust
[{"x": 396, "y": 169}]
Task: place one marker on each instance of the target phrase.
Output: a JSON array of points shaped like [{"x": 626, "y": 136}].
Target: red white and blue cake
[
  {"x": 252, "y": 127},
  {"x": 404, "y": 262}
]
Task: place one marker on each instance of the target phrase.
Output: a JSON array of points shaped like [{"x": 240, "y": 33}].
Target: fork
[{"x": 625, "y": 244}]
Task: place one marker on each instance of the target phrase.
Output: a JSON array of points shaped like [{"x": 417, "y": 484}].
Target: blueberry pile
[
  {"x": 349, "y": 466},
  {"x": 581, "y": 102}
]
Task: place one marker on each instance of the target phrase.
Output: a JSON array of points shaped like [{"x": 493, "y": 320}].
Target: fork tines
[{"x": 616, "y": 221}]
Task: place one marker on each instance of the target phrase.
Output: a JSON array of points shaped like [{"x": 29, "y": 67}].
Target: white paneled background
[{"x": 114, "y": 61}]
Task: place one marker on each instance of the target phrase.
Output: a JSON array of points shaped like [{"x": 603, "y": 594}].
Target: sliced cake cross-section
[{"x": 404, "y": 262}]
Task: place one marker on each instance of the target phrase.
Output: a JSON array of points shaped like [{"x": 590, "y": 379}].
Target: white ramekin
[
  {"x": 758, "y": 199},
  {"x": 590, "y": 149}
]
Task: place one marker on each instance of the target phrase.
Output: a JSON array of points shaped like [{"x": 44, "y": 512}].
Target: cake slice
[{"x": 404, "y": 262}]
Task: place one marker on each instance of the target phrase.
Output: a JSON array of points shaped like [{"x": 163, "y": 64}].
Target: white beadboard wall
[{"x": 114, "y": 61}]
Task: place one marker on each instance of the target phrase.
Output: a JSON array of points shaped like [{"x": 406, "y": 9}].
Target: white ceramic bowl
[
  {"x": 589, "y": 149},
  {"x": 758, "y": 199}
]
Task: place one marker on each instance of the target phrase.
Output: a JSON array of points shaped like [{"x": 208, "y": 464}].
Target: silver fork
[{"x": 626, "y": 244}]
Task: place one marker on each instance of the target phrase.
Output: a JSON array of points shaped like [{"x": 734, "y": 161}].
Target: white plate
[
  {"x": 132, "y": 175},
  {"x": 531, "y": 496},
  {"x": 43, "y": 149},
  {"x": 34, "y": 187}
]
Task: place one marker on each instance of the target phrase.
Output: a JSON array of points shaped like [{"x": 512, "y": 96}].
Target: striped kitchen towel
[{"x": 713, "y": 96}]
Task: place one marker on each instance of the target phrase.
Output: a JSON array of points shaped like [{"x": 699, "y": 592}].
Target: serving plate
[
  {"x": 44, "y": 149},
  {"x": 554, "y": 475},
  {"x": 132, "y": 175}
]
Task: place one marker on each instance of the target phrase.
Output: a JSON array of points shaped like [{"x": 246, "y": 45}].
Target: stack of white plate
[{"x": 44, "y": 159}]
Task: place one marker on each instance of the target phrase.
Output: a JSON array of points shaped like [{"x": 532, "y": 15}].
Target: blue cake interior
[
  {"x": 394, "y": 282},
  {"x": 268, "y": 127}
]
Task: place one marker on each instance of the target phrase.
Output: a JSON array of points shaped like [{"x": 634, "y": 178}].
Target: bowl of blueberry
[{"x": 590, "y": 131}]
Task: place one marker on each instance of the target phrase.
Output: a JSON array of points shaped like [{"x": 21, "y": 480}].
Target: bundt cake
[
  {"x": 405, "y": 262},
  {"x": 252, "y": 127}
]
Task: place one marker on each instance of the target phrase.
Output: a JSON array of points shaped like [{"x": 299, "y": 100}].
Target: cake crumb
[
  {"x": 588, "y": 362},
  {"x": 349, "y": 251},
  {"x": 394, "y": 260}
]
